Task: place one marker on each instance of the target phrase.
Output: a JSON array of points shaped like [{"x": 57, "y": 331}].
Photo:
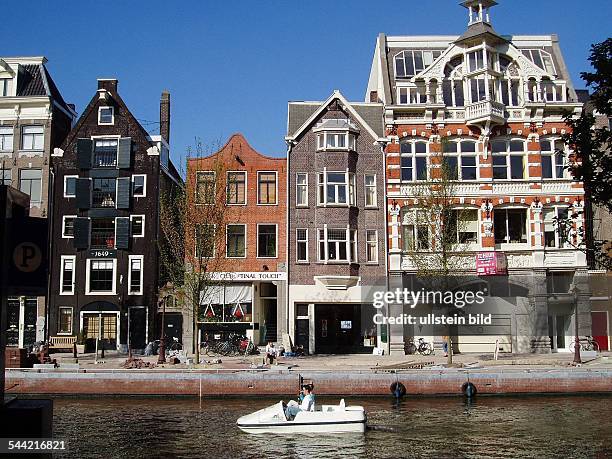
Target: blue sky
[{"x": 233, "y": 65}]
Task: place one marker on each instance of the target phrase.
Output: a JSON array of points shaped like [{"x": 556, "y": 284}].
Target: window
[
  {"x": 236, "y": 187},
  {"x": 32, "y": 138},
  {"x": 554, "y": 163},
  {"x": 101, "y": 276},
  {"x": 510, "y": 226},
  {"x": 236, "y": 241},
  {"x": 266, "y": 188},
  {"x": 302, "y": 245},
  {"x": 476, "y": 60},
  {"x": 6, "y": 138},
  {"x": 462, "y": 226},
  {"x": 103, "y": 193},
  {"x": 412, "y": 95},
  {"x": 266, "y": 241},
  {"x": 336, "y": 188},
  {"x": 541, "y": 58},
  {"x": 337, "y": 245},
  {"x": 370, "y": 190},
  {"x": 135, "y": 274},
  {"x": 460, "y": 159},
  {"x": 30, "y": 182},
  {"x": 70, "y": 186},
  {"x": 6, "y": 176},
  {"x": 415, "y": 230},
  {"x": 478, "y": 89},
  {"x": 102, "y": 233},
  {"x": 139, "y": 186},
  {"x": 301, "y": 189},
  {"x": 508, "y": 159},
  {"x": 67, "y": 274},
  {"x": 552, "y": 217},
  {"x": 328, "y": 140},
  {"x": 413, "y": 161},
  {"x": 205, "y": 236},
  {"x": 68, "y": 226},
  {"x": 106, "y": 115},
  {"x": 4, "y": 86},
  {"x": 371, "y": 246},
  {"x": 105, "y": 153},
  {"x": 409, "y": 63},
  {"x": 137, "y": 225},
  {"x": 559, "y": 281},
  {"x": 64, "y": 326},
  {"x": 205, "y": 187}
]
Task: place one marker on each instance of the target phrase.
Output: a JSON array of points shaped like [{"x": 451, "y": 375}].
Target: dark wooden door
[{"x": 138, "y": 328}]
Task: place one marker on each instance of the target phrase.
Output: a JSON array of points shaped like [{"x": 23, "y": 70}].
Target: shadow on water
[{"x": 411, "y": 427}]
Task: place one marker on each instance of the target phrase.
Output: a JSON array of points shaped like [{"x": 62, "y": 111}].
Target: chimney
[
  {"x": 164, "y": 116},
  {"x": 110, "y": 84}
]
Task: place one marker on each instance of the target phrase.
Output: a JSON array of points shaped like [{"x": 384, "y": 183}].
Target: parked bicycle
[
  {"x": 422, "y": 347},
  {"x": 586, "y": 344},
  {"x": 234, "y": 344}
]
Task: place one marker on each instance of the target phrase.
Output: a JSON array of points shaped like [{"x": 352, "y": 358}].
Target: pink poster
[{"x": 491, "y": 263}]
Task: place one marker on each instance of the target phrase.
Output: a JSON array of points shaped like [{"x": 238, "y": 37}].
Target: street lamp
[
  {"x": 162, "y": 339},
  {"x": 577, "y": 359}
]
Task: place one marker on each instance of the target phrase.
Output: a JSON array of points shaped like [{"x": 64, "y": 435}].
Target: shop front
[{"x": 99, "y": 324}]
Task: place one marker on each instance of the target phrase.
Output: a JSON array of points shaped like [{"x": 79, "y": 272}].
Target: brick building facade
[
  {"x": 491, "y": 108},
  {"x": 248, "y": 257}
]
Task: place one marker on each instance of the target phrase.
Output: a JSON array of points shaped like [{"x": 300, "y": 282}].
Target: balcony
[
  {"x": 104, "y": 158},
  {"x": 486, "y": 110}
]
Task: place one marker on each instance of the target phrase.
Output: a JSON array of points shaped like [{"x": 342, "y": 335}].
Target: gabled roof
[
  {"x": 236, "y": 143},
  {"x": 301, "y": 115},
  {"x": 35, "y": 80},
  {"x": 479, "y": 29}
]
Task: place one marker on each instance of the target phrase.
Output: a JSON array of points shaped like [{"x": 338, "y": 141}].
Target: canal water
[{"x": 532, "y": 426}]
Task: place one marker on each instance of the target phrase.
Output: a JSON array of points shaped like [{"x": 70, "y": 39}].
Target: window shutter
[
  {"x": 81, "y": 233},
  {"x": 122, "y": 232},
  {"x": 124, "y": 153},
  {"x": 83, "y": 193},
  {"x": 123, "y": 192},
  {"x": 84, "y": 153}
]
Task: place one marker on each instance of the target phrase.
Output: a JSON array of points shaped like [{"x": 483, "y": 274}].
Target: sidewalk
[{"x": 350, "y": 362}]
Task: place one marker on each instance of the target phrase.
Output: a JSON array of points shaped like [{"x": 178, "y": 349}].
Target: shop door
[
  {"x": 302, "y": 334},
  {"x": 12, "y": 331},
  {"x": 600, "y": 329},
  {"x": 173, "y": 323},
  {"x": 337, "y": 328},
  {"x": 138, "y": 328},
  {"x": 29, "y": 328},
  {"x": 102, "y": 326}
]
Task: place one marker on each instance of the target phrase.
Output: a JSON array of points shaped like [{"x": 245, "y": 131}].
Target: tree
[
  {"x": 192, "y": 223},
  {"x": 591, "y": 162},
  {"x": 433, "y": 243}
]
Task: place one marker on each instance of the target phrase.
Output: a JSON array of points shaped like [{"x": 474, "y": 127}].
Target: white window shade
[{"x": 226, "y": 294}]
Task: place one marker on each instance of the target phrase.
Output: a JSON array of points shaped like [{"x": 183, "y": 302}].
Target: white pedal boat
[{"x": 328, "y": 419}]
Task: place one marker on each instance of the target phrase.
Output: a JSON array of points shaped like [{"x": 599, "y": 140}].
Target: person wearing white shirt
[{"x": 307, "y": 404}]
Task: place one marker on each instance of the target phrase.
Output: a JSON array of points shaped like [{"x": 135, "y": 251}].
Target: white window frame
[
  {"x": 275, "y": 203},
  {"x": 245, "y": 240},
  {"x": 369, "y": 243},
  {"x": 349, "y": 139},
  {"x": 349, "y": 183},
  {"x": 413, "y": 155},
  {"x": 459, "y": 154},
  {"x": 297, "y": 242},
  {"x": 61, "y": 333},
  {"x": 3, "y": 136},
  {"x": 66, "y": 195},
  {"x": 508, "y": 154},
  {"x": 63, "y": 260},
  {"x": 555, "y": 209},
  {"x": 367, "y": 187},
  {"x": 129, "y": 285},
  {"x": 350, "y": 241},
  {"x": 112, "y": 109},
  {"x": 88, "y": 262},
  {"x": 275, "y": 240},
  {"x": 144, "y": 188},
  {"x": 414, "y": 226},
  {"x": 297, "y": 189},
  {"x": 246, "y": 188},
  {"x": 214, "y": 184},
  {"x": 413, "y": 95},
  {"x": 64, "y": 217},
  {"x": 143, "y": 225},
  {"x": 553, "y": 158},
  {"x": 23, "y": 134},
  {"x": 506, "y": 243}
]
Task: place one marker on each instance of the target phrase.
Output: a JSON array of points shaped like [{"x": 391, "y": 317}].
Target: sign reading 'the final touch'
[{"x": 249, "y": 276}]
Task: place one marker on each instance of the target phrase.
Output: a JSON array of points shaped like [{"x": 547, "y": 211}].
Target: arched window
[
  {"x": 508, "y": 159},
  {"x": 452, "y": 86},
  {"x": 411, "y": 62},
  {"x": 460, "y": 159},
  {"x": 510, "y": 83},
  {"x": 413, "y": 157}
]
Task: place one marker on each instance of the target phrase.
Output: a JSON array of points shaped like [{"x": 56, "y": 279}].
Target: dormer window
[
  {"x": 5, "y": 86},
  {"x": 410, "y": 63},
  {"x": 541, "y": 58},
  {"x": 336, "y": 134},
  {"x": 106, "y": 115},
  {"x": 476, "y": 60}
]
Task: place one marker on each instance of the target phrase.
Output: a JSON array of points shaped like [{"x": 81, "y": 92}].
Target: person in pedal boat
[{"x": 307, "y": 403}]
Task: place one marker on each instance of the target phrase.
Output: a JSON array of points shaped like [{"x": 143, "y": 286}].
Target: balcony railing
[
  {"x": 103, "y": 158},
  {"x": 484, "y": 109}
]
